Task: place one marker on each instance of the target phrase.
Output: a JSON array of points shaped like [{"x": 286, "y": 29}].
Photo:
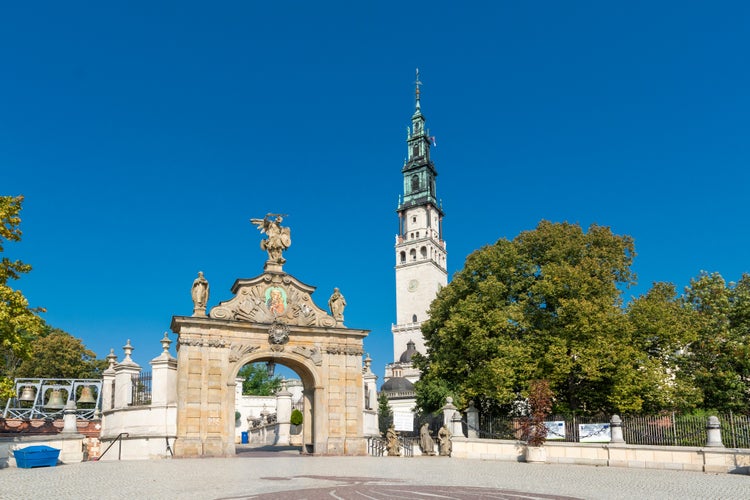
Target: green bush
[{"x": 296, "y": 418}]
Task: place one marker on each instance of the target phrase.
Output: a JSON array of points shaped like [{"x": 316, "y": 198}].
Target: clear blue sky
[{"x": 145, "y": 135}]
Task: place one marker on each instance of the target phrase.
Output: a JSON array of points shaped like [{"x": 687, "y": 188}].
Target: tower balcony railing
[{"x": 405, "y": 327}]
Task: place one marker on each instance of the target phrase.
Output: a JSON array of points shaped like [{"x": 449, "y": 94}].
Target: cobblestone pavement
[{"x": 282, "y": 475}]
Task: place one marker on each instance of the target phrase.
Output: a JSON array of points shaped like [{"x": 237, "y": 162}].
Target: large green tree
[
  {"x": 19, "y": 323},
  {"x": 57, "y": 354},
  {"x": 546, "y": 305},
  {"x": 663, "y": 329},
  {"x": 720, "y": 356}
]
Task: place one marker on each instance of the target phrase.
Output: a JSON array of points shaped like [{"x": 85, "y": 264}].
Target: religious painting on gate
[{"x": 276, "y": 300}]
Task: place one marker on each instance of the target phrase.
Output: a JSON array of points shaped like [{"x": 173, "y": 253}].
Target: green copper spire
[{"x": 419, "y": 171}]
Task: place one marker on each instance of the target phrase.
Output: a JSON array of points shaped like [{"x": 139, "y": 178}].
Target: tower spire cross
[{"x": 417, "y": 83}]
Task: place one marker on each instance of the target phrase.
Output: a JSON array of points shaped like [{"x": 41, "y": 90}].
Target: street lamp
[{"x": 270, "y": 367}]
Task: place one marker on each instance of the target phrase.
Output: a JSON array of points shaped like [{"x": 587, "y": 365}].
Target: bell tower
[{"x": 420, "y": 250}]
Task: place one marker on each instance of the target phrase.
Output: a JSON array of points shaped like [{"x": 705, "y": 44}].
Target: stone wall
[{"x": 705, "y": 459}]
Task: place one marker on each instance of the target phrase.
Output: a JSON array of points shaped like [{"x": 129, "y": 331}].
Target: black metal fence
[
  {"x": 670, "y": 429},
  {"x": 141, "y": 387}
]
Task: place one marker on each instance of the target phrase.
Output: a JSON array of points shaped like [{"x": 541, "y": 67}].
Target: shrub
[{"x": 296, "y": 418}]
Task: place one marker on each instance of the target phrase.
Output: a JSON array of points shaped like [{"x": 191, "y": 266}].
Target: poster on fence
[
  {"x": 403, "y": 421},
  {"x": 555, "y": 430},
  {"x": 594, "y": 433}
]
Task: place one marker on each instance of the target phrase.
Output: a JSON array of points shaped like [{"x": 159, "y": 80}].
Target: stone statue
[
  {"x": 200, "y": 292},
  {"x": 426, "y": 443},
  {"x": 391, "y": 439},
  {"x": 279, "y": 238},
  {"x": 446, "y": 445},
  {"x": 336, "y": 304}
]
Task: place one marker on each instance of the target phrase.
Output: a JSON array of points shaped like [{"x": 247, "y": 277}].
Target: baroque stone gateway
[{"x": 270, "y": 318}]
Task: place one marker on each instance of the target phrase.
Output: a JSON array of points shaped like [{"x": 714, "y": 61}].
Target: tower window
[
  {"x": 413, "y": 318},
  {"x": 403, "y": 257},
  {"x": 423, "y": 251},
  {"x": 417, "y": 234},
  {"x": 413, "y": 254},
  {"x": 414, "y": 220},
  {"x": 415, "y": 182}
]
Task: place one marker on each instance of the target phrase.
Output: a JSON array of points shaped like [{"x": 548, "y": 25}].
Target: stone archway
[{"x": 270, "y": 317}]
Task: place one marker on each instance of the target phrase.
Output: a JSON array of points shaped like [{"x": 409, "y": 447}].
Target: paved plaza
[{"x": 266, "y": 475}]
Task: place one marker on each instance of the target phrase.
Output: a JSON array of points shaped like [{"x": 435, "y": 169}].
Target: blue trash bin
[
  {"x": 36, "y": 456},
  {"x": 245, "y": 440}
]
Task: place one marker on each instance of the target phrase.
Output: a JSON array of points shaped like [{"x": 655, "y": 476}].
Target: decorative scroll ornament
[
  {"x": 278, "y": 334},
  {"x": 273, "y": 297},
  {"x": 201, "y": 341},
  {"x": 239, "y": 350},
  {"x": 342, "y": 349}
]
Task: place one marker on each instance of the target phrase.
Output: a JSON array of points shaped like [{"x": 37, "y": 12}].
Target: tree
[
  {"x": 256, "y": 380},
  {"x": 546, "y": 305},
  {"x": 720, "y": 356},
  {"x": 19, "y": 323},
  {"x": 385, "y": 414},
  {"x": 663, "y": 328},
  {"x": 57, "y": 354}
]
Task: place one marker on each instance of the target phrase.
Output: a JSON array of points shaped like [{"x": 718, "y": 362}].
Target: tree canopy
[
  {"x": 19, "y": 323},
  {"x": 29, "y": 347},
  {"x": 548, "y": 305},
  {"x": 256, "y": 380},
  {"x": 57, "y": 354}
]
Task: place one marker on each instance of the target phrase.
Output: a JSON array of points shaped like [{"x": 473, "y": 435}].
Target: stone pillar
[
  {"x": 69, "y": 418},
  {"x": 370, "y": 417},
  {"x": 472, "y": 421},
  {"x": 615, "y": 426},
  {"x": 108, "y": 382},
  {"x": 320, "y": 426},
  {"x": 124, "y": 378},
  {"x": 283, "y": 415},
  {"x": 456, "y": 428},
  {"x": 713, "y": 429},
  {"x": 448, "y": 410},
  {"x": 164, "y": 376}
]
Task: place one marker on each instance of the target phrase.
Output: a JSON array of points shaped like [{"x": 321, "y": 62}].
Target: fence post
[
  {"x": 448, "y": 410},
  {"x": 124, "y": 372},
  {"x": 472, "y": 421},
  {"x": 615, "y": 426},
  {"x": 713, "y": 429},
  {"x": 108, "y": 382}
]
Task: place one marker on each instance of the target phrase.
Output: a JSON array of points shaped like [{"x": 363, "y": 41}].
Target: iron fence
[
  {"x": 141, "y": 389},
  {"x": 669, "y": 429}
]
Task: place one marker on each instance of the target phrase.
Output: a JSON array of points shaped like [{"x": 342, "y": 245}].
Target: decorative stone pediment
[{"x": 273, "y": 298}]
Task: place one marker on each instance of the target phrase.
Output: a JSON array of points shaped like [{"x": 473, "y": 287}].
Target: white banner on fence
[
  {"x": 403, "y": 421},
  {"x": 555, "y": 430},
  {"x": 594, "y": 433}
]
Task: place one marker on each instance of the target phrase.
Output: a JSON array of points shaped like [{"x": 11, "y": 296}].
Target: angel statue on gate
[{"x": 279, "y": 238}]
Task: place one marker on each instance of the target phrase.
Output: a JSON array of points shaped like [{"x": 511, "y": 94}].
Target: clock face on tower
[{"x": 413, "y": 284}]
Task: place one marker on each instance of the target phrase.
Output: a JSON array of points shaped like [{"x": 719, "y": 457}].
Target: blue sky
[{"x": 145, "y": 135}]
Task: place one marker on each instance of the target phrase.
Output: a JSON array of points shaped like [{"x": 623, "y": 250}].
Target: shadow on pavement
[{"x": 248, "y": 451}]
